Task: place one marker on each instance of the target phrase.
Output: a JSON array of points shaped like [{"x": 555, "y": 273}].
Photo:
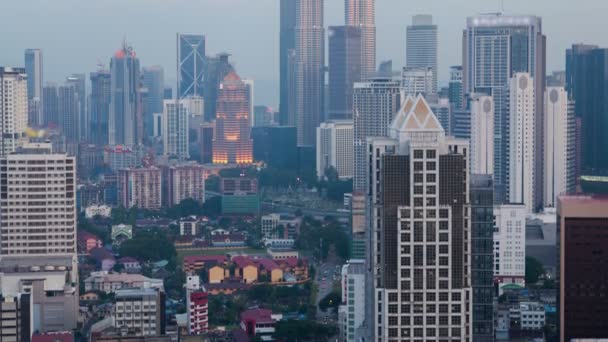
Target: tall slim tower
[
  {"x": 175, "y": 131},
  {"x": 100, "y": 107},
  {"x": 421, "y": 45},
  {"x": 154, "y": 83},
  {"x": 344, "y": 69},
  {"x": 419, "y": 212},
  {"x": 310, "y": 69},
  {"x": 287, "y": 41},
  {"x": 482, "y": 135},
  {"x": 522, "y": 132},
  {"x": 190, "y": 65},
  {"x": 232, "y": 142},
  {"x": 68, "y": 108},
  {"x": 33, "y": 68},
  {"x": 495, "y": 47},
  {"x": 362, "y": 14},
  {"x": 375, "y": 104},
  {"x": 78, "y": 81},
  {"x": 13, "y": 108},
  {"x": 125, "y": 109}
]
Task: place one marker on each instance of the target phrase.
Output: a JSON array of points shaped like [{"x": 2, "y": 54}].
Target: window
[
  {"x": 431, "y": 154},
  {"x": 431, "y": 178},
  {"x": 430, "y": 166},
  {"x": 418, "y": 154}
]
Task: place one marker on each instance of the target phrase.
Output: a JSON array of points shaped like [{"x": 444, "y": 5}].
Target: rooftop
[{"x": 258, "y": 315}]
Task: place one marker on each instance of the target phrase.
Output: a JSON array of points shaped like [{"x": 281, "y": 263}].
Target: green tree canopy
[{"x": 534, "y": 269}]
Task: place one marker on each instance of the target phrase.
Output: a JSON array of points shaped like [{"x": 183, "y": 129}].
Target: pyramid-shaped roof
[{"x": 416, "y": 115}]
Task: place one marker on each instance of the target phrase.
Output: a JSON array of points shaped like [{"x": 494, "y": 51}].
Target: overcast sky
[{"x": 75, "y": 34}]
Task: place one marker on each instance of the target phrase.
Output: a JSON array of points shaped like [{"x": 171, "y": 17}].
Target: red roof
[
  {"x": 228, "y": 237},
  {"x": 204, "y": 258},
  {"x": 257, "y": 315},
  {"x": 292, "y": 262},
  {"x": 64, "y": 336},
  {"x": 83, "y": 236},
  {"x": 242, "y": 261},
  {"x": 268, "y": 264}
]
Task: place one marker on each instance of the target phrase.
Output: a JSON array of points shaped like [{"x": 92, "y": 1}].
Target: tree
[
  {"x": 534, "y": 270},
  {"x": 149, "y": 246},
  {"x": 293, "y": 330},
  {"x": 332, "y": 300}
]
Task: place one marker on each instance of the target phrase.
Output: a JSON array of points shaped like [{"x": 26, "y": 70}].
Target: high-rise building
[
  {"x": 100, "y": 107},
  {"x": 309, "y": 69},
  {"x": 560, "y": 125},
  {"x": 198, "y": 311},
  {"x": 191, "y": 64},
  {"x": 231, "y": 142},
  {"x": 443, "y": 112},
  {"x": 482, "y": 135},
  {"x": 50, "y": 106},
  {"x": 125, "y": 109},
  {"x": 68, "y": 108},
  {"x": 154, "y": 83},
  {"x": 287, "y": 41},
  {"x": 419, "y": 209},
  {"x": 587, "y": 86},
  {"x": 522, "y": 141},
  {"x": 455, "y": 91},
  {"x": 385, "y": 69},
  {"x": 417, "y": 81},
  {"x": 168, "y": 93},
  {"x": 362, "y": 14},
  {"x": 460, "y": 123},
  {"x": 335, "y": 148},
  {"x": 46, "y": 214},
  {"x": 185, "y": 181},
  {"x": 421, "y": 46},
  {"x": 175, "y": 130},
  {"x": 375, "y": 104},
  {"x": 496, "y": 47},
  {"x": 269, "y": 224},
  {"x": 205, "y": 142},
  {"x": 344, "y": 69},
  {"x": 34, "y": 71},
  {"x": 582, "y": 305},
  {"x": 13, "y": 108},
  {"x": 352, "y": 310},
  {"x": 482, "y": 256},
  {"x": 140, "y": 187},
  {"x": 78, "y": 81},
  {"x": 509, "y": 244},
  {"x": 217, "y": 68},
  {"x": 16, "y": 313}
]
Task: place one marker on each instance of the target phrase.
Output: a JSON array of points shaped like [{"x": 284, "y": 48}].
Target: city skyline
[{"x": 258, "y": 63}]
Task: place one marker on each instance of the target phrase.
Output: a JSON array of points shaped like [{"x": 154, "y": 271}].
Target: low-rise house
[
  {"x": 228, "y": 240},
  {"x": 270, "y": 269},
  {"x": 259, "y": 323},
  {"x": 87, "y": 241},
  {"x": 217, "y": 274},
  {"x": 121, "y": 232},
  {"x": 130, "y": 265},
  {"x": 282, "y": 253},
  {"x": 110, "y": 282},
  {"x": 195, "y": 263},
  {"x": 189, "y": 226},
  {"x": 245, "y": 269},
  {"x": 90, "y": 296},
  {"x": 97, "y": 210}
]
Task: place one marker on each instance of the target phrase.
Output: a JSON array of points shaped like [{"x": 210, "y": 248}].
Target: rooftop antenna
[{"x": 502, "y": 6}]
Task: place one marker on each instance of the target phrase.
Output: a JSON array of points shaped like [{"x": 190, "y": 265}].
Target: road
[{"x": 325, "y": 280}]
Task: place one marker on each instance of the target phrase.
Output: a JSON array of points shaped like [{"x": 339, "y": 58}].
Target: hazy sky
[{"x": 76, "y": 34}]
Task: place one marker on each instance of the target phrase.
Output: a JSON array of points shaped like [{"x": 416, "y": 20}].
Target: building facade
[
  {"x": 139, "y": 311},
  {"x": 153, "y": 78},
  {"x": 13, "y": 108},
  {"x": 186, "y": 181},
  {"x": 353, "y": 300},
  {"x": 100, "y": 107},
  {"x": 124, "y": 121},
  {"x": 495, "y": 47},
  {"x": 510, "y": 244},
  {"x": 309, "y": 69},
  {"x": 287, "y": 41},
  {"x": 522, "y": 141},
  {"x": 375, "y": 104},
  {"x": 417, "y": 81},
  {"x": 232, "y": 142},
  {"x": 344, "y": 69},
  {"x": 419, "y": 206},
  {"x": 335, "y": 148},
  {"x": 175, "y": 129},
  {"x": 482, "y": 135},
  {"x": 34, "y": 71},
  {"x": 421, "y": 46},
  {"x": 140, "y": 187},
  {"x": 191, "y": 65},
  {"x": 362, "y": 14}
]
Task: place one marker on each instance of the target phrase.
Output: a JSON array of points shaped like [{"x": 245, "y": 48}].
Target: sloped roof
[{"x": 416, "y": 116}]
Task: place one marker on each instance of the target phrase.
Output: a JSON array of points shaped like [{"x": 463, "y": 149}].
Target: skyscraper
[
  {"x": 586, "y": 83},
  {"x": 344, "y": 69},
  {"x": 362, "y": 14},
  {"x": 522, "y": 133},
  {"x": 175, "y": 130},
  {"x": 482, "y": 257},
  {"x": 287, "y": 41},
  {"x": 375, "y": 104},
  {"x": 419, "y": 199},
  {"x": 417, "y": 81},
  {"x": 217, "y": 68},
  {"x": 309, "y": 69},
  {"x": 421, "y": 45},
  {"x": 496, "y": 47},
  {"x": 100, "y": 107},
  {"x": 455, "y": 91},
  {"x": 232, "y": 143},
  {"x": 190, "y": 65},
  {"x": 154, "y": 83},
  {"x": 140, "y": 187},
  {"x": 125, "y": 109},
  {"x": 560, "y": 125},
  {"x": 482, "y": 135},
  {"x": 50, "y": 108},
  {"x": 78, "y": 81},
  {"x": 68, "y": 108},
  {"x": 33, "y": 68},
  {"x": 13, "y": 108},
  {"x": 335, "y": 148}
]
